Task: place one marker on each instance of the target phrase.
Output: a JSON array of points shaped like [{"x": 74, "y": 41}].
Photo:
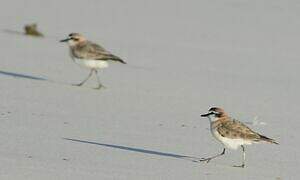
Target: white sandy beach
[{"x": 183, "y": 57}]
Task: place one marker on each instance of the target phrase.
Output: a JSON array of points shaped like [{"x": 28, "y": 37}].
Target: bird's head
[
  {"x": 73, "y": 39},
  {"x": 214, "y": 113}
]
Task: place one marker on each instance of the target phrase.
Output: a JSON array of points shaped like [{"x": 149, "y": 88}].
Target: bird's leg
[
  {"x": 98, "y": 80},
  {"x": 80, "y": 84},
  {"x": 213, "y": 157},
  {"x": 244, "y": 158}
]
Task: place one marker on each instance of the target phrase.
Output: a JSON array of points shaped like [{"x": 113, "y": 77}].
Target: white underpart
[
  {"x": 91, "y": 64},
  {"x": 228, "y": 142}
]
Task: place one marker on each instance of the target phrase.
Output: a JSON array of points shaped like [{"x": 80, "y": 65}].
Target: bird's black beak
[
  {"x": 205, "y": 115},
  {"x": 65, "y": 40}
]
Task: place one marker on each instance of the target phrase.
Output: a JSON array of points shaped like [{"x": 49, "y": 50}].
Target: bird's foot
[
  {"x": 80, "y": 84},
  {"x": 100, "y": 86},
  {"x": 239, "y": 166},
  {"x": 207, "y": 160}
]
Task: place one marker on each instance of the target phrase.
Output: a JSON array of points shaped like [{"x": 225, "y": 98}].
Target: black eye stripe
[{"x": 75, "y": 39}]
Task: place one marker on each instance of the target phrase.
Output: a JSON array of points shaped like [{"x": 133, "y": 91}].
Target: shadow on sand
[
  {"x": 30, "y": 77},
  {"x": 13, "y": 32},
  {"x": 139, "y": 150},
  {"x": 24, "y": 76}
]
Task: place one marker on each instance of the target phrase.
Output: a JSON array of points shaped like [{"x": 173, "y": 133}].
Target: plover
[
  {"x": 89, "y": 55},
  {"x": 231, "y": 133},
  {"x": 31, "y": 30}
]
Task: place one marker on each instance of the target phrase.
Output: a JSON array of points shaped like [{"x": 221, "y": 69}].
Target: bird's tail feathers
[
  {"x": 264, "y": 138},
  {"x": 116, "y": 58}
]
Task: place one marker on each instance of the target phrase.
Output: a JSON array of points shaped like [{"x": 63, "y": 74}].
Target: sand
[{"x": 183, "y": 57}]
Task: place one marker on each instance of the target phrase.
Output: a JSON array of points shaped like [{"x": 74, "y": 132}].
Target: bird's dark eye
[{"x": 75, "y": 39}]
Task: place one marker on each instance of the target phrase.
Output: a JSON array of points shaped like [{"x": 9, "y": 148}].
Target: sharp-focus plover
[
  {"x": 89, "y": 55},
  {"x": 231, "y": 133}
]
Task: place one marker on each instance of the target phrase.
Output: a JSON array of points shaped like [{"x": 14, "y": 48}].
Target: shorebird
[
  {"x": 31, "y": 30},
  {"x": 231, "y": 133},
  {"x": 89, "y": 55}
]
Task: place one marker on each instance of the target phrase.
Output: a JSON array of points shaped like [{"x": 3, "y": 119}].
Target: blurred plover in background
[
  {"x": 31, "y": 30},
  {"x": 89, "y": 55},
  {"x": 231, "y": 133}
]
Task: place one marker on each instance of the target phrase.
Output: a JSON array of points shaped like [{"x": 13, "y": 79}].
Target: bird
[
  {"x": 89, "y": 55},
  {"x": 31, "y": 30},
  {"x": 231, "y": 133}
]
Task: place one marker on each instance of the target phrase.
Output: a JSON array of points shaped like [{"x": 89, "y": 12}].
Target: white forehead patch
[{"x": 215, "y": 112}]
